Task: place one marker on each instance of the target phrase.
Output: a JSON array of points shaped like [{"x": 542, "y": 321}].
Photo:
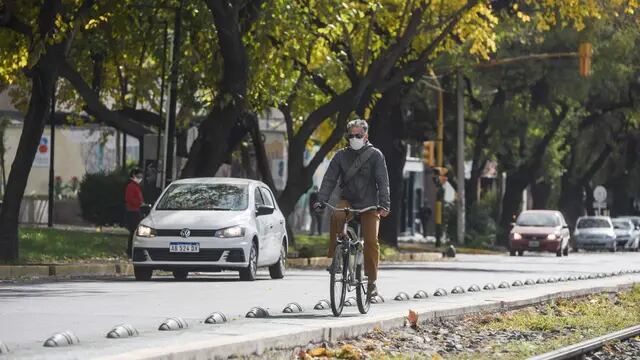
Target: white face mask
[
  {"x": 137, "y": 179},
  {"x": 356, "y": 144}
]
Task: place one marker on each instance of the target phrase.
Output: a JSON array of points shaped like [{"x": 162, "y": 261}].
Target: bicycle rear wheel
[
  {"x": 362, "y": 297},
  {"x": 338, "y": 280}
]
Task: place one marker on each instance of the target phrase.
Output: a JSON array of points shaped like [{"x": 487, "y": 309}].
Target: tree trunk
[
  {"x": 210, "y": 147},
  {"x": 510, "y": 206},
  {"x": 540, "y": 192},
  {"x": 43, "y": 79},
  {"x": 387, "y": 131}
]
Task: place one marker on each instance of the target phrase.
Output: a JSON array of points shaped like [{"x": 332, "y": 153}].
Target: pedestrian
[
  {"x": 316, "y": 217},
  {"x": 425, "y": 216},
  {"x": 133, "y": 202}
]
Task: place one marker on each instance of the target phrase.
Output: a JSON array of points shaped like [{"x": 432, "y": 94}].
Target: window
[
  {"x": 187, "y": 196},
  {"x": 267, "y": 197},
  {"x": 537, "y": 219},
  {"x": 258, "y": 196},
  {"x": 621, "y": 225},
  {"x": 593, "y": 223}
]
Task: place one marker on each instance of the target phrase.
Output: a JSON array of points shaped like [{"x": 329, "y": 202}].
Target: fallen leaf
[
  {"x": 320, "y": 351},
  {"x": 349, "y": 352},
  {"x": 413, "y": 319},
  {"x": 436, "y": 357}
]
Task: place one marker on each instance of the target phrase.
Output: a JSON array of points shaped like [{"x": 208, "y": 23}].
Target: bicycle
[{"x": 347, "y": 265}]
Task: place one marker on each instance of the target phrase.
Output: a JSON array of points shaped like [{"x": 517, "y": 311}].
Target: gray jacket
[{"x": 370, "y": 185}]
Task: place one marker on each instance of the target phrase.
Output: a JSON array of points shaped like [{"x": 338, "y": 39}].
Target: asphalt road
[{"x": 30, "y": 312}]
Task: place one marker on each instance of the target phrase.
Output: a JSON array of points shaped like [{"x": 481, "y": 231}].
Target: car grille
[
  {"x": 534, "y": 237},
  {"x": 176, "y": 233},
  {"x": 156, "y": 254}
]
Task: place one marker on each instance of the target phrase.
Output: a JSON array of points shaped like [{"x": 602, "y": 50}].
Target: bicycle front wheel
[
  {"x": 338, "y": 280},
  {"x": 362, "y": 297}
]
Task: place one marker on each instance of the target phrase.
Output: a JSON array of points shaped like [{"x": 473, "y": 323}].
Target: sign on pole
[{"x": 43, "y": 154}]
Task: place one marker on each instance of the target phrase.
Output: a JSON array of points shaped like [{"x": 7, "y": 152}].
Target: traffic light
[
  {"x": 440, "y": 175},
  {"x": 428, "y": 153},
  {"x": 585, "y": 51}
]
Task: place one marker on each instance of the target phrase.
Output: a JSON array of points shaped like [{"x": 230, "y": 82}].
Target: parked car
[
  {"x": 594, "y": 233},
  {"x": 627, "y": 234},
  {"x": 540, "y": 230},
  {"x": 212, "y": 224},
  {"x": 634, "y": 219}
]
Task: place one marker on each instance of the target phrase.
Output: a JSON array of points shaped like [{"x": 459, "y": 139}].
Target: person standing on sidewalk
[
  {"x": 316, "y": 217},
  {"x": 133, "y": 201}
]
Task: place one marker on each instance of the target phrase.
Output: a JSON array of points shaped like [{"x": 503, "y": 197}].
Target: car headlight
[
  {"x": 517, "y": 236},
  {"x": 145, "y": 231},
  {"x": 230, "y": 232},
  {"x": 552, "y": 237}
]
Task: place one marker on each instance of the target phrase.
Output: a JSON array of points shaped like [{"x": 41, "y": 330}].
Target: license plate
[
  {"x": 534, "y": 243},
  {"x": 184, "y": 247}
]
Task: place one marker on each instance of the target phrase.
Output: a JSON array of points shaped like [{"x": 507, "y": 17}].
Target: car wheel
[
  {"x": 512, "y": 253},
  {"x": 180, "y": 274},
  {"x": 520, "y": 252},
  {"x": 142, "y": 273},
  {"x": 565, "y": 252},
  {"x": 249, "y": 273},
  {"x": 278, "y": 269}
]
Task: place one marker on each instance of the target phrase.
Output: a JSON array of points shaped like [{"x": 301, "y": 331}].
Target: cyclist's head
[{"x": 357, "y": 133}]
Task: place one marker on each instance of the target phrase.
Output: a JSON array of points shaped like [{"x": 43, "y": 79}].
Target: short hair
[
  {"x": 135, "y": 171},
  {"x": 358, "y": 123}
]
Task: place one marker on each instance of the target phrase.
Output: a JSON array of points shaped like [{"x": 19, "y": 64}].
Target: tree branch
[
  {"x": 96, "y": 108},
  {"x": 10, "y": 21}
]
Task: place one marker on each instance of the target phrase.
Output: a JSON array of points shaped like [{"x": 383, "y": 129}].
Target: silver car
[
  {"x": 595, "y": 233},
  {"x": 627, "y": 233},
  {"x": 212, "y": 224}
]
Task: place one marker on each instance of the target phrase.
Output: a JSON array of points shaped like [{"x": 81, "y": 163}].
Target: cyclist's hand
[
  {"x": 319, "y": 206},
  {"x": 383, "y": 212}
]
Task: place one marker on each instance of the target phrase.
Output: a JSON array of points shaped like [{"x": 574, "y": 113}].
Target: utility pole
[
  {"x": 460, "y": 165},
  {"x": 52, "y": 139},
  {"x": 440, "y": 162},
  {"x": 173, "y": 96}
]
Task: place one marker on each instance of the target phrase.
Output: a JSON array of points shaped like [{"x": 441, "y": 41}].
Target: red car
[{"x": 540, "y": 230}]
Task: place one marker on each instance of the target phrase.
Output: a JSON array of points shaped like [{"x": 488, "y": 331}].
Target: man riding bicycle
[{"x": 364, "y": 182}]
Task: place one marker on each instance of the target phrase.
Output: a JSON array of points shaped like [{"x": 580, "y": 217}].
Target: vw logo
[{"x": 185, "y": 233}]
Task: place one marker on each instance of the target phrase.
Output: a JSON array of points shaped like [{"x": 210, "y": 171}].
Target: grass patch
[
  {"x": 316, "y": 246},
  {"x": 564, "y": 322},
  {"x": 38, "y": 245}
]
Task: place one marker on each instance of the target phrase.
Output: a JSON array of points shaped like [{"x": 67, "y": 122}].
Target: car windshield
[
  {"x": 593, "y": 223},
  {"x": 621, "y": 224},
  {"x": 204, "y": 197},
  {"x": 537, "y": 219}
]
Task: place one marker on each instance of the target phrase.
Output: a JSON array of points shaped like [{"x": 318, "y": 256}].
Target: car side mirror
[
  {"x": 264, "y": 210},
  {"x": 145, "y": 209}
]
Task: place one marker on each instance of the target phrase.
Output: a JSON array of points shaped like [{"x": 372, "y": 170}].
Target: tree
[{"x": 40, "y": 40}]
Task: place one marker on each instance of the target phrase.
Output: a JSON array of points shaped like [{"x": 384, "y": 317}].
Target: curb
[
  {"x": 212, "y": 350},
  {"x": 322, "y": 262},
  {"x": 12, "y": 272}
]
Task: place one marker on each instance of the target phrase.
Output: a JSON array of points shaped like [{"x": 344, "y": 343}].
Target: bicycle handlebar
[{"x": 356, "y": 211}]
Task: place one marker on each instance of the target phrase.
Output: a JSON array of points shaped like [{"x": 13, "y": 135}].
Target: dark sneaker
[{"x": 372, "y": 290}]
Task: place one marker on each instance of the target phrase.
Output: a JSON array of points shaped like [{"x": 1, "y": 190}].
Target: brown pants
[{"x": 370, "y": 222}]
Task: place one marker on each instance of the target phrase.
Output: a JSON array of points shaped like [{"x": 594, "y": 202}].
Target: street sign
[{"x": 600, "y": 194}]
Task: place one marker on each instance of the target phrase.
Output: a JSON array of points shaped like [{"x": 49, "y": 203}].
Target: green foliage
[
  {"x": 101, "y": 197},
  {"x": 39, "y": 245}
]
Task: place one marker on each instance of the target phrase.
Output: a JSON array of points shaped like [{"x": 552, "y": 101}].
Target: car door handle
[
  {"x": 281, "y": 222},
  {"x": 271, "y": 226}
]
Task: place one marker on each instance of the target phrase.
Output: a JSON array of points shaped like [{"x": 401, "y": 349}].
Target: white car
[{"x": 212, "y": 224}]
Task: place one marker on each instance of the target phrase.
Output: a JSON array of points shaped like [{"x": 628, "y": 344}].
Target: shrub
[
  {"x": 480, "y": 221},
  {"x": 101, "y": 197}
]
